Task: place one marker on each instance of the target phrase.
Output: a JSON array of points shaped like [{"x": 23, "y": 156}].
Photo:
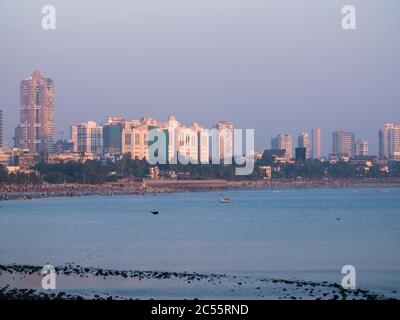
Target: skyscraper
[
  {"x": 36, "y": 128},
  {"x": 389, "y": 141},
  {"x": 343, "y": 143},
  {"x": 303, "y": 141},
  {"x": 316, "y": 143},
  {"x": 1, "y": 129},
  {"x": 361, "y": 148},
  {"x": 283, "y": 142},
  {"x": 225, "y": 140}
]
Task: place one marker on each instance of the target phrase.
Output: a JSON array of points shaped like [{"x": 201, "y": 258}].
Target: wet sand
[{"x": 75, "y": 282}]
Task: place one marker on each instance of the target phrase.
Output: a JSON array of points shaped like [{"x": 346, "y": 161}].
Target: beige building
[
  {"x": 36, "y": 127},
  {"x": 64, "y": 157},
  {"x": 283, "y": 142},
  {"x": 5, "y": 158},
  {"x": 1, "y": 130},
  {"x": 203, "y": 142},
  {"x": 225, "y": 139},
  {"x": 134, "y": 141},
  {"x": 265, "y": 172},
  {"x": 316, "y": 143}
]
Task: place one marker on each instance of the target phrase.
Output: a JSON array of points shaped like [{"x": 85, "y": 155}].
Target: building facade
[
  {"x": 112, "y": 138},
  {"x": 225, "y": 140},
  {"x": 187, "y": 144},
  {"x": 389, "y": 141},
  {"x": 1, "y": 129},
  {"x": 283, "y": 142},
  {"x": 316, "y": 143},
  {"x": 35, "y": 131},
  {"x": 303, "y": 141},
  {"x": 135, "y": 141},
  {"x": 203, "y": 142},
  {"x": 343, "y": 143},
  {"x": 87, "y": 137},
  {"x": 361, "y": 148}
]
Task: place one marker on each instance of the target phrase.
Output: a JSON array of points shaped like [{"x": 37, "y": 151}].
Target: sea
[{"x": 307, "y": 234}]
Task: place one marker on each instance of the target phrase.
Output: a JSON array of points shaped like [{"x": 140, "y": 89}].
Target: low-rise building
[{"x": 265, "y": 172}]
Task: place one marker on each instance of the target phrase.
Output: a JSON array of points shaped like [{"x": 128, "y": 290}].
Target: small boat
[
  {"x": 225, "y": 200},
  {"x": 383, "y": 190}
]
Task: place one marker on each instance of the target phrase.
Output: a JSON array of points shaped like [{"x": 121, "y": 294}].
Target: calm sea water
[{"x": 305, "y": 234}]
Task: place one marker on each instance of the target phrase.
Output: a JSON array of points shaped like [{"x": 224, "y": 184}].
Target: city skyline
[
  {"x": 296, "y": 78},
  {"x": 36, "y": 131}
]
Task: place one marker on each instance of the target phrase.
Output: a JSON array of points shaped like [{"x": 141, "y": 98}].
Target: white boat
[{"x": 225, "y": 200}]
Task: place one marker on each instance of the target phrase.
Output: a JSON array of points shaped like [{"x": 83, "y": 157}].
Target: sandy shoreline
[{"x": 44, "y": 190}]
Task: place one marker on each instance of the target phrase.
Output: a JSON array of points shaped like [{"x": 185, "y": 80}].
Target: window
[{"x": 128, "y": 139}]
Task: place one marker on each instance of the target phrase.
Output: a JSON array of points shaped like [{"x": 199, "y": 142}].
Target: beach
[{"x": 45, "y": 190}]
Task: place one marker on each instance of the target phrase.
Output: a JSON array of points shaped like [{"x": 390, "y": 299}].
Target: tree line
[{"x": 94, "y": 171}]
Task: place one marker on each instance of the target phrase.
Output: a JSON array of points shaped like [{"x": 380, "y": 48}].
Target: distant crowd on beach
[{"x": 44, "y": 190}]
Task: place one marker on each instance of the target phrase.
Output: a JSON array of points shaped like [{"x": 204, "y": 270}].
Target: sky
[{"x": 279, "y": 66}]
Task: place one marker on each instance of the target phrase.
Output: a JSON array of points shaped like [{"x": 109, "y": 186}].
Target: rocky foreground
[{"x": 238, "y": 286}]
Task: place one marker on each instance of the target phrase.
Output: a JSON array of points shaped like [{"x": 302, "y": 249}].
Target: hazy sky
[{"x": 275, "y": 66}]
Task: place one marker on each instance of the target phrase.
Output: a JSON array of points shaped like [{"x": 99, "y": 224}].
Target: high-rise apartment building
[
  {"x": 37, "y": 106},
  {"x": 389, "y": 141},
  {"x": 203, "y": 141},
  {"x": 303, "y": 141},
  {"x": 316, "y": 143},
  {"x": 225, "y": 140},
  {"x": 87, "y": 137},
  {"x": 1, "y": 129},
  {"x": 187, "y": 144},
  {"x": 343, "y": 143},
  {"x": 283, "y": 142},
  {"x": 361, "y": 148},
  {"x": 135, "y": 141}
]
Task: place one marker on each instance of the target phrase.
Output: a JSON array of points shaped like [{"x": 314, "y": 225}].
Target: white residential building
[
  {"x": 87, "y": 137},
  {"x": 361, "y": 148},
  {"x": 389, "y": 141}
]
